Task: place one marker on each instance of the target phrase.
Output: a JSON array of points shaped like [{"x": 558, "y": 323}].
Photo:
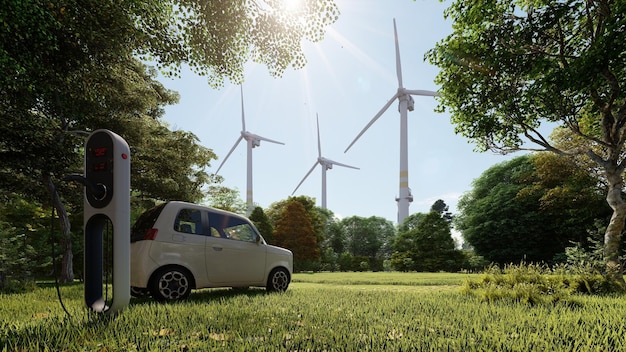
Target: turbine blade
[
  {"x": 373, "y": 120},
  {"x": 319, "y": 144},
  {"x": 340, "y": 164},
  {"x": 305, "y": 176},
  {"x": 229, "y": 153},
  {"x": 398, "y": 65},
  {"x": 243, "y": 115},
  {"x": 427, "y": 93},
  {"x": 267, "y": 139}
]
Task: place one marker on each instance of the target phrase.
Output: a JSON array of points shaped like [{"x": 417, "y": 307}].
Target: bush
[
  {"x": 539, "y": 284},
  {"x": 16, "y": 266}
]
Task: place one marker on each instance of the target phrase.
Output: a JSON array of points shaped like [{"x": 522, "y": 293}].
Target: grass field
[{"x": 319, "y": 312}]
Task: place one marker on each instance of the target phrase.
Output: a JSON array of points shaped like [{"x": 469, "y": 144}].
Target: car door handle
[{"x": 218, "y": 249}]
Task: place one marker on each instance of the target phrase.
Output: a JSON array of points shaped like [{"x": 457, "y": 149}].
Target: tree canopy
[
  {"x": 511, "y": 66},
  {"x": 294, "y": 231},
  {"x": 529, "y": 209},
  {"x": 370, "y": 237},
  {"x": 427, "y": 247},
  {"x": 71, "y": 67}
]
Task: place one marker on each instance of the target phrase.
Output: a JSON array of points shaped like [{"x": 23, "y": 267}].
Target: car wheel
[
  {"x": 139, "y": 292},
  {"x": 170, "y": 284},
  {"x": 278, "y": 280}
]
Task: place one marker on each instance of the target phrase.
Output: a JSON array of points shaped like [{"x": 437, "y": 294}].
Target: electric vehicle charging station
[{"x": 106, "y": 203}]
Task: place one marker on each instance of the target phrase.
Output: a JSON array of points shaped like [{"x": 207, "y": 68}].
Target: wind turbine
[
  {"x": 253, "y": 141},
  {"x": 326, "y": 164},
  {"x": 406, "y": 104}
]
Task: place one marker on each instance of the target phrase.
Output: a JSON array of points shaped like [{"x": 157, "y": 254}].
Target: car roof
[{"x": 178, "y": 204}]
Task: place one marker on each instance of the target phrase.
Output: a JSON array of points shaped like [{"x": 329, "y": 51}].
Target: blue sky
[{"x": 349, "y": 76}]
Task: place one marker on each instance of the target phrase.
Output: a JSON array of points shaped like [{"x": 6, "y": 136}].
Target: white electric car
[{"x": 179, "y": 246}]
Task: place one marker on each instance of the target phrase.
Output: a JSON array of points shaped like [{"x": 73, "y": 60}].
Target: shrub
[
  {"x": 16, "y": 266},
  {"x": 539, "y": 284}
]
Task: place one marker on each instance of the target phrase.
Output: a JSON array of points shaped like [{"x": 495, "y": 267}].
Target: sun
[{"x": 292, "y": 7}]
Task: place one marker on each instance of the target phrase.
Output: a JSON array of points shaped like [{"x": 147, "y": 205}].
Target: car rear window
[
  {"x": 145, "y": 222},
  {"x": 189, "y": 221}
]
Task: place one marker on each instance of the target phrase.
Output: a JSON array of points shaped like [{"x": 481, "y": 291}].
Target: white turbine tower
[
  {"x": 324, "y": 163},
  {"x": 405, "y": 105},
  {"x": 253, "y": 141}
]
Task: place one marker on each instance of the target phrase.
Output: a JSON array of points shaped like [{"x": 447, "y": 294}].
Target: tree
[
  {"x": 165, "y": 164},
  {"x": 262, "y": 223},
  {"x": 411, "y": 222},
  {"x": 428, "y": 247},
  {"x": 511, "y": 66},
  {"x": 222, "y": 197},
  {"x": 69, "y": 66},
  {"x": 20, "y": 262},
  {"x": 317, "y": 216},
  {"x": 217, "y": 37},
  {"x": 529, "y": 209},
  {"x": 295, "y": 232},
  {"x": 442, "y": 208},
  {"x": 370, "y": 238}
]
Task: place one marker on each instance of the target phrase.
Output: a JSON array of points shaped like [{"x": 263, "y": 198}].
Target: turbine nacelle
[
  {"x": 256, "y": 139},
  {"x": 406, "y": 104},
  {"x": 253, "y": 141}
]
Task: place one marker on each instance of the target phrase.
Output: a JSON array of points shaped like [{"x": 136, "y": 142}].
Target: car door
[
  {"x": 184, "y": 243},
  {"x": 233, "y": 255}
]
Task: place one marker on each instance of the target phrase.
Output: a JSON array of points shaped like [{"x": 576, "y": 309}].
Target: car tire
[
  {"x": 171, "y": 284},
  {"x": 278, "y": 281},
  {"x": 139, "y": 292}
]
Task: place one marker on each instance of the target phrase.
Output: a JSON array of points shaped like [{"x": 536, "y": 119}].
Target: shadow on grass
[
  {"x": 52, "y": 284},
  {"x": 207, "y": 295}
]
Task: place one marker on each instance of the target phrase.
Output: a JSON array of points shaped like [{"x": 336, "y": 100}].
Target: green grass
[{"x": 321, "y": 311}]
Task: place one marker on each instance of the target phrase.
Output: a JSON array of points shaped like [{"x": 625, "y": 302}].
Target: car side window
[
  {"x": 232, "y": 228},
  {"x": 241, "y": 232},
  {"x": 189, "y": 221}
]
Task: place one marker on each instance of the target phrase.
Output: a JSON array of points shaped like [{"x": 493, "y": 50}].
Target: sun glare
[{"x": 292, "y": 6}]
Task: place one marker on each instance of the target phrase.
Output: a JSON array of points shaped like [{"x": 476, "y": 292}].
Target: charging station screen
[{"x": 99, "y": 167}]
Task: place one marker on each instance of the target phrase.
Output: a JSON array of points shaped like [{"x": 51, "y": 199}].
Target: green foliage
[
  {"x": 474, "y": 262},
  {"x": 411, "y": 222},
  {"x": 427, "y": 247},
  {"x": 222, "y": 197},
  {"x": 71, "y": 66},
  {"x": 25, "y": 228},
  {"x": 262, "y": 223},
  {"x": 369, "y": 238},
  {"x": 317, "y": 216},
  {"x": 540, "y": 284},
  {"x": 529, "y": 208},
  {"x": 510, "y": 66},
  {"x": 295, "y": 232},
  {"x": 16, "y": 264}
]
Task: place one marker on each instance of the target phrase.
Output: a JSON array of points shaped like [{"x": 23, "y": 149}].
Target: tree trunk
[
  {"x": 67, "y": 270},
  {"x": 613, "y": 234}
]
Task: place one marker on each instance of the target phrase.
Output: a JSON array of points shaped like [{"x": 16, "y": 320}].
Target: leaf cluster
[{"x": 511, "y": 65}]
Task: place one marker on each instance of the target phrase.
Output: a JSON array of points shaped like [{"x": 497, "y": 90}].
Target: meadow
[{"x": 319, "y": 312}]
